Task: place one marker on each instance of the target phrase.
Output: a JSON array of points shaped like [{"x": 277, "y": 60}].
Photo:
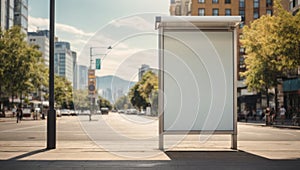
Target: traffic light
[
  {"x": 91, "y": 82},
  {"x": 98, "y": 63}
]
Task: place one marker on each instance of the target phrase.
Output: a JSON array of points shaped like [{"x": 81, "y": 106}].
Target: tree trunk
[
  {"x": 21, "y": 99},
  {"x": 268, "y": 97},
  {"x": 12, "y": 99},
  {"x": 276, "y": 98}
]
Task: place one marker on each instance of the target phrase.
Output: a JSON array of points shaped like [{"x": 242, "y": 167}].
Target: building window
[
  {"x": 178, "y": 10},
  {"x": 256, "y": 3},
  {"x": 242, "y": 14},
  {"x": 227, "y": 1},
  {"x": 201, "y": 1},
  {"x": 242, "y": 50},
  {"x": 215, "y": 1},
  {"x": 215, "y": 12},
  {"x": 201, "y": 12},
  {"x": 269, "y": 3},
  {"x": 242, "y": 25},
  {"x": 269, "y": 12},
  {"x": 292, "y": 5},
  {"x": 227, "y": 12},
  {"x": 255, "y": 14},
  {"x": 242, "y": 3},
  {"x": 242, "y": 62}
]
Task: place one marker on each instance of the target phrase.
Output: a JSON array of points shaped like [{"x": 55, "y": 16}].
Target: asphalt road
[{"x": 108, "y": 139}]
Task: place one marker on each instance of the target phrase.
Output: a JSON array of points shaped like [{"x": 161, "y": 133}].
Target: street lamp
[
  {"x": 91, "y": 54},
  {"x": 91, "y": 79},
  {"x": 51, "y": 117}
]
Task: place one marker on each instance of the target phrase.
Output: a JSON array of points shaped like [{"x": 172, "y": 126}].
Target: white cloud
[
  {"x": 134, "y": 22},
  {"x": 35, "y": 23},
  {"x": 126, "y": 62},
  {"x": 126, "y": 56}
]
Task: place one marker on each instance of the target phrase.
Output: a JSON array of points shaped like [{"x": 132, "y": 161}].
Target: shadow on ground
[{"x": 178, "y": 160}]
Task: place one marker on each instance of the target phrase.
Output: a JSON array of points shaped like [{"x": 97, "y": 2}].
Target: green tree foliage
[
  {"x": 63, "y": 91},
  {"x": 123, "y": 103},
  {"x": 21, "y": 65},
  {"x": 148, "y": 85},
  {"x": 104, "y": 103},
  {"x": 81, "y": 99},
  {"x": 145, "y": 92},
  {"x": 136, "y": 98},
  {"x": 272, "y": 46}
]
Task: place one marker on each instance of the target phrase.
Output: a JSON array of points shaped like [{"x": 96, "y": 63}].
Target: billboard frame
[{"x": 202, "y": 23}]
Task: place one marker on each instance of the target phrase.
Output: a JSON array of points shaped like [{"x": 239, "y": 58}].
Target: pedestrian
[
  {"x": 19, "y": 114},
  {"x": 268, "y": 119},
  {"x": 282, "y": 112},
  {"x": 14, "y": 110},
  {"x": 272, "y": 116},
  {"x": 254, "y": 114}
]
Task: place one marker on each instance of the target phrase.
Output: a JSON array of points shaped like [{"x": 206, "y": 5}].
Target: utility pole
[
  {"x": 51, "y": 117},
  {"x": 92, "y": 78},
  {"x": 91, "y": 84}
]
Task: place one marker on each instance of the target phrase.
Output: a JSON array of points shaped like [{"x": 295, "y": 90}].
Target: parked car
[
  {"x": 131, "y": 111},
  {"x": 73, "y": 113},
  {"x": 142, "y": 112},
  {"x": 27, "y": 113},
  {"x": 86, "y": 112},
  {"x": 104, "y": 110},
  {"x": 121, "y": 111},
  {"x": 65, "y": 112},
  {"x": 58, "y": 113}
]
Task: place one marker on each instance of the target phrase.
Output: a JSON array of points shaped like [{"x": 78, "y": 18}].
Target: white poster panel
[{"x": 198, "y": 80}]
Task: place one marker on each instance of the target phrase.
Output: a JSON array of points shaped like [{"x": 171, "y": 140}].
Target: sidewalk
[
  {"x": 287, "y": 124},
  {"x": 78, "y": 151}
]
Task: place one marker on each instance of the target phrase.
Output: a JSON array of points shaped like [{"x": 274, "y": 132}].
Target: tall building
[
  {"x": 294, "y": 6},
  {"x": 40, "y": 38},
  {"x": 180, "y": 7},
  {"x": 82, "y": 77},
  {"x": 75, "y": 70},
  {"x": 144, "y": 68},
  {"x": 14, "y": 12},
  {"x": 6, "y": 13},
  {"x": 21, "y": 14},
  {"x": 63, "y": 60}
]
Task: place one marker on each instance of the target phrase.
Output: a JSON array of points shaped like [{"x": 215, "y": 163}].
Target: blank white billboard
[{"x": 198, "y": 80}]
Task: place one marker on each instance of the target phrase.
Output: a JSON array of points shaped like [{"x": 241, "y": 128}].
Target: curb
[{"x": 275, "y": 126}]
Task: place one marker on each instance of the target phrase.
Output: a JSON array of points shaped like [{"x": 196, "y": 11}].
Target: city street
[{"x": 120, "y": 140}]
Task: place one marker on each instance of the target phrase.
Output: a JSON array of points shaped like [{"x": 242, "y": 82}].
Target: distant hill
[{"x": 113, "y": 87}]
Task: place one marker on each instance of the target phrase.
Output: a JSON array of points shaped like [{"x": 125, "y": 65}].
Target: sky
[{"x": 128, "y": 26}]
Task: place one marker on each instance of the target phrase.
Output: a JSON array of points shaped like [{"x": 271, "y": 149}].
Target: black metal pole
[{"x": 51, "y": 118}]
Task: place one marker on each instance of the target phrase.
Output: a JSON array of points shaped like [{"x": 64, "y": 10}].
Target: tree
[
  {"x": 104, "y": 103},
  {"x": 148, "y": 85},
  {"x": 272, "y": 48},
  {"x": 81, "y": 99},
  {"x": 63, "y": 91},
  {"x": 145, "y": 92},
  {"x": 136, "y": 98},
  {"x": 123, "y": 103},
  {"x": 19, "y": 62}
]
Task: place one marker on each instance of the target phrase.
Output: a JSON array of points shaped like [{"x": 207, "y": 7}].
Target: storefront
[{"x": 291, "y": 89}]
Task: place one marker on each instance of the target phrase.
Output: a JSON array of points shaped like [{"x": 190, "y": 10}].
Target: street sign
[{"x": 98, "y": 63}]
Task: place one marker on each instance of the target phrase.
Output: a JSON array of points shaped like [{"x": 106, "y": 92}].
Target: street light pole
[
  {"x": 51, "y": 117},
  {"x": 91, "y": 70}
]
